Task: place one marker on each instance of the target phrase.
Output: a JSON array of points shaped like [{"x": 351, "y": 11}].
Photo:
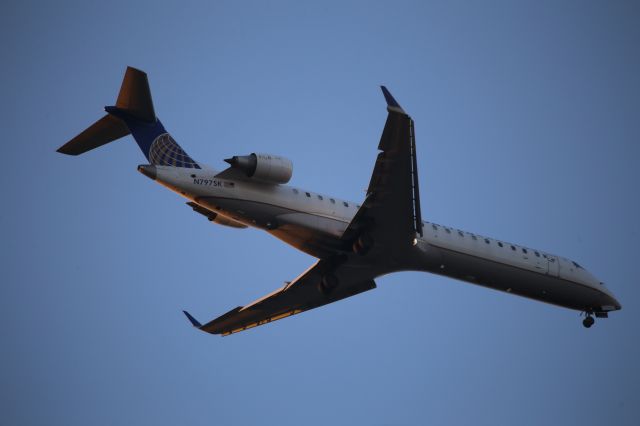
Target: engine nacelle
[{"x": 264, "y": 167}]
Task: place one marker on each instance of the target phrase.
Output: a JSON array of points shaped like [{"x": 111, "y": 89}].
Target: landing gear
[
  {"x": 588, "y": 321},
  {"x": 363, "y": 244},
  {"x": 328, "y": 283}
]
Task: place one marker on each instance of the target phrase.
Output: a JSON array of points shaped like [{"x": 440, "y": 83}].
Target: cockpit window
[{"x": 577, "y": 266}]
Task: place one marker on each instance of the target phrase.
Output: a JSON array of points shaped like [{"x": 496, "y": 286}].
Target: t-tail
[{"x": 132, "y": 114}]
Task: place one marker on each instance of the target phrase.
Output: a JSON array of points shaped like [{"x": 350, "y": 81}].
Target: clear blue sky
[{"x": 528, "y": 128}]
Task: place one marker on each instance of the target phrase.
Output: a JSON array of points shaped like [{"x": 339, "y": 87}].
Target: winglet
[
  {"x": 192, "y": 319},
  {"x": 392, "y": 104}
]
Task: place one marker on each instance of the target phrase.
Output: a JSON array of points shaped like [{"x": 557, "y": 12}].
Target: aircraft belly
[
  {"x": 519, "y": 281},
  {"x": 315, "y": 223},
  {"x": 260, "y": 215},
  {"x": 316, "y": 235}
]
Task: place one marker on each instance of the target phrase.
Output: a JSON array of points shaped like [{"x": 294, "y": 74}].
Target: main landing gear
[
  {"x": 363, "y": 244},
  {"x": 329, "y": 280},
  {"x": 328, "y": 283}
]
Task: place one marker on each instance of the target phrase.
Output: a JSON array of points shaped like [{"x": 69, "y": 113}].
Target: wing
[
  {"x": 391, "y": 210},
  {"x": 302, "y": 294}
]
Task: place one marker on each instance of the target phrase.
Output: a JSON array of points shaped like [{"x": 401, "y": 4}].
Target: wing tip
[
  {"x": 63, "y": 150},
  {"x": 191, "y": 319},
  {"x": 392, "y": 104}
]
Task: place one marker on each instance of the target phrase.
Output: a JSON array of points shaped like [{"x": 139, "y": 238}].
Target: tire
[
  {"x": 363, "y": 244},
  {"x": 328, "y": 283}
]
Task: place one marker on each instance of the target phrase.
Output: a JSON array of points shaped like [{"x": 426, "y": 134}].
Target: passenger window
[
  {"x": 308, "y": 195},
  {"x": 499, "y": 243},
  {"x": 524, "y": 250}
]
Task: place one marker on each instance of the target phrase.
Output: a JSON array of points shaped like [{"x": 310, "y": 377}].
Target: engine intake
[{"x": 264, "y": 167}]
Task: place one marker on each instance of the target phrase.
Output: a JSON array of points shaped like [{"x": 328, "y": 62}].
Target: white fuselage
[{"x": 314, "y": 223}]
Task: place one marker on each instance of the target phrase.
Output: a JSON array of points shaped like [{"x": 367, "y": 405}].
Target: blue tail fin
[
  {"x": 154, "y": 141},
  {"x": 133, "y": 114}
]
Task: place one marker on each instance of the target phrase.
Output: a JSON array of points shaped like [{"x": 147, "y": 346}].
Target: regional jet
[{"x": 354, "y": 243}]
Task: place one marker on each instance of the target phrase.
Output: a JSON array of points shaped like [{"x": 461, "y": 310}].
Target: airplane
[{"x": 354, "y": 243}]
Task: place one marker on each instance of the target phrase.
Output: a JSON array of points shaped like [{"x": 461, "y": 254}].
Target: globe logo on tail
[{"x": 165, "y": 151}]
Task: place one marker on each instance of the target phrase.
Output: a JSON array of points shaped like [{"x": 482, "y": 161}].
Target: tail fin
[
  {"x": 133, "y": 114},
  {"x": 135, "y": 96}
]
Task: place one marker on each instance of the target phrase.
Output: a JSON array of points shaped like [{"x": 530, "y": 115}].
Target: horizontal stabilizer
[{"x": 103, "y": 131}]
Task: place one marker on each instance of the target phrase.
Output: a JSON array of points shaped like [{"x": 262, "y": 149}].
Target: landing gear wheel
[
  {"x": 363, "y": 244},
  {"x": 328, "y": 283},
  {"x": 588, "y": 321}
]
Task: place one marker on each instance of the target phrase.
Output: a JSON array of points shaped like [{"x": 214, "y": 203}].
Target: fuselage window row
[{"x": 436, "y": 227}]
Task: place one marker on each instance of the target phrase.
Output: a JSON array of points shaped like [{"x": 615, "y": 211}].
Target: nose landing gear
[{"x": 588, "y": 321}]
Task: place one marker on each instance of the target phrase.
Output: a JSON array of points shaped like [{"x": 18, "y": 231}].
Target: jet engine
[{"x": 264, "y": 167}]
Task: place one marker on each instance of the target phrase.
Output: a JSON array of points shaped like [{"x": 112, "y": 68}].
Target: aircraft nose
[
  {"x": 615, "y": 304},
  {"x": 148, "y": 170},
  {"x": 610, "y": 299}
]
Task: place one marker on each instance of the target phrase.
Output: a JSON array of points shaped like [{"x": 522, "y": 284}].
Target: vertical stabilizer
[
  {"x": 133, "y": 114},
  {"x": 135, "y": 96}
]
